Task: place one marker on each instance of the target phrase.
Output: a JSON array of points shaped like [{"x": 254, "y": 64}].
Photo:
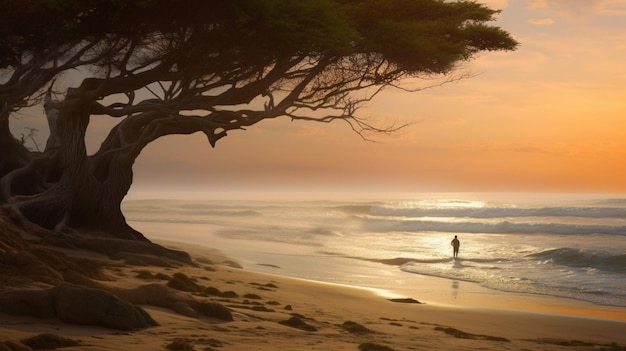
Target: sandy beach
[{"x": 271, "y": 312}]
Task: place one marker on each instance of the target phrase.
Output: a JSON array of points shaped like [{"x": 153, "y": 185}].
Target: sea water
[{"x": 571, "y": 246}]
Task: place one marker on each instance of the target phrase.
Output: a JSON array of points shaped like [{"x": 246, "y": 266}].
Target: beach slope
[{"x": 270, "y": 312}]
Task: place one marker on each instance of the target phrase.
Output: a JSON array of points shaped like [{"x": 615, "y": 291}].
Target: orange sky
[{"x": 550, "y": 116}]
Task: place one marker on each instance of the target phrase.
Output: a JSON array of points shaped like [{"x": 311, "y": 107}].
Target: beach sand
[{"x": 454, "y": 316}]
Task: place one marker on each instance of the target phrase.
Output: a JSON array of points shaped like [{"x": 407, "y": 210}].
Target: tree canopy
[{"x": 166, "y": 67}]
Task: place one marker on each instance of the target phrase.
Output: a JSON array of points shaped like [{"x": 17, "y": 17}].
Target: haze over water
[{"x": 571, "y": 246}]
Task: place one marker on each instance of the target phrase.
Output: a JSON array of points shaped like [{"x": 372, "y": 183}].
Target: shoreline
[
  {"x": 382, "y": 275},
  {"x": 463, "y": 295},
  {"x": 434, "y": 291},
  {"x": 265, "y": 303}
]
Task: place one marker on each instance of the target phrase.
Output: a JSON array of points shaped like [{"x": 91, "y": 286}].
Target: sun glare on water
[{"x": 447, "y": 204}]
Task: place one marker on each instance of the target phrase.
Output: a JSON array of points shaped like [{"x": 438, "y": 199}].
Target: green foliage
[
  {"x": 307, "y": 26},
  {"x": 426, "y": 35},
  {"x": 48, "y": 342},
  {"x": 180, "y": 344}
]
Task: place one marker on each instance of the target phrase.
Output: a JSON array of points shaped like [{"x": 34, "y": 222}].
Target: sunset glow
[{"x": 550, "y": 116}]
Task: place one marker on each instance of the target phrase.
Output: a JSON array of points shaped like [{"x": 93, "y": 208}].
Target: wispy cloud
[
  {"x": 542, "y": 21},
  {"x": 578, "y": 10},
  {"x": 611, "y": 7}
]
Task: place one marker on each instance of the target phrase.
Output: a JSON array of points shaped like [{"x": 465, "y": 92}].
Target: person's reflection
[{"x": 455, "y": 289}]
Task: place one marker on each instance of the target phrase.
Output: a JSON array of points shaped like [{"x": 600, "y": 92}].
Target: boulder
[
  {"x": 88, "y": 306},
  {"x": 177, "y": 301},
  {"x": 10, "y": 345},
  {"x": 36, "y": 303},
  {"x": 78, "y": 305},
  {"x": 216, "y": 310}
]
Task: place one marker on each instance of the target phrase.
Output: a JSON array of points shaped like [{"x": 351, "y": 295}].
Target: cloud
[
  {"x": 542, "y": 21},
  {"x": 536, "y": 4},
  {"x": 610, "y": 7},
  {"x": 578, "y": 10}
]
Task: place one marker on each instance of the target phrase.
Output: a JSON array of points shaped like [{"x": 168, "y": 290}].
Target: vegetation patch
[
  {"x": 48, "y": 342},
  {"x": 370, "y": 346},
  {"x": 463, "y": 335}
]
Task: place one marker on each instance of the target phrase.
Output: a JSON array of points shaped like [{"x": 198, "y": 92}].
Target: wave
[
  {"x": 581, "y": 258},
  {"x": 499, "y": 212},
  {"x": 503, "y": 227},
  {"x": 403, "y": 261}
]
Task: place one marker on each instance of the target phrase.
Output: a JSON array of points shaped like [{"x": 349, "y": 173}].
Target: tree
[{"x": 167, "y": 67}]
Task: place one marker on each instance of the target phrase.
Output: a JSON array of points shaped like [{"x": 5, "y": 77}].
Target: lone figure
[{"x": 455, "y": 246}]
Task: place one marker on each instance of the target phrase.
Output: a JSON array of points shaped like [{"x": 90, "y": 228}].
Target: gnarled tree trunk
[{"x": 88, "y": 191}]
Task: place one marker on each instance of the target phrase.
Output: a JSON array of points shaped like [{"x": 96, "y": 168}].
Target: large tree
[{"x": 167, "y": 67}]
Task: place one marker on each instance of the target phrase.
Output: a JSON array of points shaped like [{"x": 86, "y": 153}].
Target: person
[{"x": 455, "y": 246}]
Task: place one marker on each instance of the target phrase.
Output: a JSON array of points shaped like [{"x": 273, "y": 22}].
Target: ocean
[{"x": 570, "y": 246}]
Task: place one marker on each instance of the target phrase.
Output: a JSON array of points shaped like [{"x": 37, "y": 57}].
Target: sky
[{"x": 548, "y": 117}]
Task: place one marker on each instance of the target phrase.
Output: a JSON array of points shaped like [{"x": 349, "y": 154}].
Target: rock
[
  {"x": 405, "y": 300},
  {"x": 117, "y": 247},
  {"x": 29, "y": 265},
  {"x": 15, "y": 346},
  {"x": 162, "y": 296},
  {"x": 183, "y": 308},
  {"x": 78, "y": 305},
  {"x": 88, "y": 306},
  {"x": 36, "y": 303},
  {"x": 296, "y": 322},
  {"x": 216, "y": 310}
]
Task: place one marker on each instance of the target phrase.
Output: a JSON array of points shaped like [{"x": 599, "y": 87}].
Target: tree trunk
[{"x": 88, "y": 194}]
